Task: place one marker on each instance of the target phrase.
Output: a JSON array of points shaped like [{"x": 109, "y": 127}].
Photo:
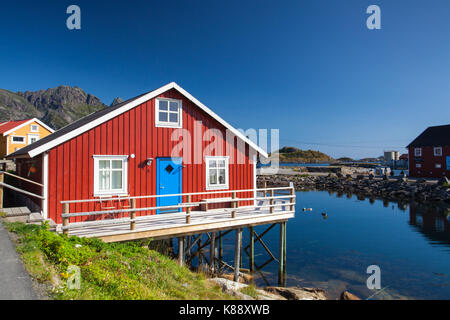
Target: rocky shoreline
[{"x": 398, "y": 189}]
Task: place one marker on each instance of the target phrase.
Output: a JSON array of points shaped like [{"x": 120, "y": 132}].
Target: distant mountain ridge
[{"x": 56, "y": 107}]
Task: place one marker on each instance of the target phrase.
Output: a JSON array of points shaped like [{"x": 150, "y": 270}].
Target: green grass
[
  {"x": 121, "y": 271},
  {"x": 251, "y": 291}
]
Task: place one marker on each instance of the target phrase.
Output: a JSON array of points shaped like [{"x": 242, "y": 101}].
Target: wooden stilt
[
  {"x": 181, "y": 251},
  {"x": 212, "y": 253},
  {"x": 282, "y": 259},
  {"x": 252, "y": 250},
  {"x": 237, "y": 254}
]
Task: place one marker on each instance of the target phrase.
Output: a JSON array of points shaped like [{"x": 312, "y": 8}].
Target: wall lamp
[{"x": 149, "y": 161}]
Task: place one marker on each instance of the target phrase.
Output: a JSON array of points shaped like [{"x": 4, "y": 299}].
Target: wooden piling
[
  {"x": 252, "y": 250},
  {"x": 65, "y": 219},
  {"x": 237, "y": 254},
  {"x": 282, "y": 256},
  {"x": 220, "y": 246},
  {"x": 212, "y": 252},
  {"x": 181, "y": 251},
  {"x": 133, "y": 215}
]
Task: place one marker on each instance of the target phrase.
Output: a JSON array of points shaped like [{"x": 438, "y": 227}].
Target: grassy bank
[{"x": 108, "y": 271}]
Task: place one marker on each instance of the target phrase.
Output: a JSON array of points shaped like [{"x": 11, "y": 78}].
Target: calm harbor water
[{"x": 411, "y": 245}]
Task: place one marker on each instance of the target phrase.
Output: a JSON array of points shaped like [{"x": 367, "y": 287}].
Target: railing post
[
  {"x": 65, "y": 219},
  {"x": 188, "y": 210},
  {"x": 133, "y": 215},
  {"x": 291, "y": 200},
  {"x": 2, "y": 177},
  {"x": 271, "y": 194},
  {"x": 265, "y": 187},
  {"x": 234, "y": 204}
]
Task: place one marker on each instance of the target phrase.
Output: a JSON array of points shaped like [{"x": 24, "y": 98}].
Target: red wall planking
[
  {"x": 71, "y": 170},
  {"x": 428, "y": 163}
]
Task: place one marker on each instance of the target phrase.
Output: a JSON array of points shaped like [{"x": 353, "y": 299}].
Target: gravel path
[{"x": 15, "y": 283}]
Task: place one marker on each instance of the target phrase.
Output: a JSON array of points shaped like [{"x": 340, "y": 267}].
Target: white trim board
[
  {"x": 53, "y": 143},
  {"x": 27, "y": 123}
]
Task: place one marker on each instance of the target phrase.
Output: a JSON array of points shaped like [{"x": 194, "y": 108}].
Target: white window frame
[
  {"x": 417, "y": 152},
  {"x": 15, "y": 142},
  {"x": 167, "y": 124},
  {"x": 436, "y": 149},
  {"x": 30, "y": 136},
  {"x": 34, "y": 125},
  {"x": 227, "y": 173},
  {"x": 111, "y": 192}
]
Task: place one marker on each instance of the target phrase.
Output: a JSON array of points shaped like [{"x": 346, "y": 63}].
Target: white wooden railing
[{"x": 271, "y": 197}]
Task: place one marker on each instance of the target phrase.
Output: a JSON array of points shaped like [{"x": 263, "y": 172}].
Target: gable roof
[
  {"x": 94, "y": 119},
  {"x": 6, "y": 126},
  {"x": 11, "y": 126},
  {"x": 433, "y": 137}
]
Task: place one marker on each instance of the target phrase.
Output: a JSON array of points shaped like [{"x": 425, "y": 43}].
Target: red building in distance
[{"x": 429, "y": 153}]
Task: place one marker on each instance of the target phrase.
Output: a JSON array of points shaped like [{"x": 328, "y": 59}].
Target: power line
[{"x": 344, "y": 145}]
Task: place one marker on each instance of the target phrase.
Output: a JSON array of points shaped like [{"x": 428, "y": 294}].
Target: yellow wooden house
[{"x": 17, "y": 134}]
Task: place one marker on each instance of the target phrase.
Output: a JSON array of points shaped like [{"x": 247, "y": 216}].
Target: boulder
[
  {"x": 297, "y": 293},
  {"x": 348, "y": 296},
  {"x": 443, "y": 182}
]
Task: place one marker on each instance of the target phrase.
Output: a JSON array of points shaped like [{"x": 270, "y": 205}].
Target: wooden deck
[{"x": 171, "y": 225}]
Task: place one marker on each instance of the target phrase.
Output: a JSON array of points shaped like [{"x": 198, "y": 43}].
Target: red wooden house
[
  {"x": 162, "y": 142},
  {"x": 429, "y": 153}
]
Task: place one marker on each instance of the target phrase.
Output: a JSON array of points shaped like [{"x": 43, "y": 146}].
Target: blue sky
[{"x": 309, "y": 68}]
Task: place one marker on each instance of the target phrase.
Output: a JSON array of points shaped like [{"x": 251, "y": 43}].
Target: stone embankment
[{"x": 386, "y": 188}]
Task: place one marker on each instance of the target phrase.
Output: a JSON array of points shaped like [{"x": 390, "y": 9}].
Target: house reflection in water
[{"x": 433, "y": 222}]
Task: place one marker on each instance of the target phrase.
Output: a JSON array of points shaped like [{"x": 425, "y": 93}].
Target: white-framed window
[
  {"x": 17, "y": 139},
  {"x": 110, "y": 175},
  {"x": 217, "y": 173},
  {"x": 34, "y": 128},
  {"x": 437, "y": 151},
  {"x": 418, "y": 165},
  {"x": 168, "y": 113},
  {"x": 418, "y": 152},
  {"x": 32, "y": 138},
  {"x": 438, "y": 166}
]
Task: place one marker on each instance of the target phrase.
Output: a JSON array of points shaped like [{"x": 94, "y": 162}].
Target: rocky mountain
[
  {"x": 56, "y": 107},
  {"x": 116, "y": 101},
  {"x": 292, "y": 154}
]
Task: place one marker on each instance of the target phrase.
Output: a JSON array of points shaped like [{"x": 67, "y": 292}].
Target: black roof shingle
[{"x": 437, "y": 136}]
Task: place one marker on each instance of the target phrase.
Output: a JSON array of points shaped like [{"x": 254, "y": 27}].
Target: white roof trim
[
  {"x": 27, "y": 123},
  {"x": 51, "y": 144}
]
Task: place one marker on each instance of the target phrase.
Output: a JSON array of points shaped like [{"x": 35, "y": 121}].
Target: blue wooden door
[{"x": 168, "y": 181}]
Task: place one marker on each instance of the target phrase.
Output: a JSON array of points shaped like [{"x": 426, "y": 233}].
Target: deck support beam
[{"x": 237, "y": 254}]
